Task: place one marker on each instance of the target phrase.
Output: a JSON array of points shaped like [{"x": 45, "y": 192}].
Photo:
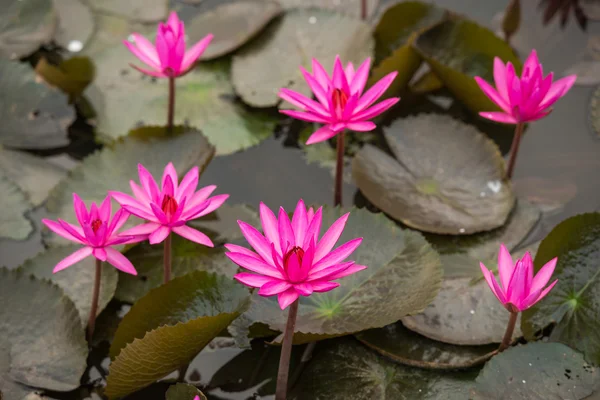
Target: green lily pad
[
  {"x": 13, "y": 206},
  {"x": 347, "y": 7},
  {"x": 76, "y": 24},
  {"x": 406, "y": 347},
  {"x": 451, "y": 183},
  {"x": 458, "y": 50},
  {"x": 573, "y": 304},
  {"x": 169, "y": 326},
  {"x": 258, "y": 71},
  {"x": 34, "y": 116},
  {"x": 136, "y": 10},
  {"x": 348, "y": 370},
  {"x": 25, "y": 25},
  {"x": 394, "y": 34},
  {"x": 76, "y": 281},
  {"x": 536, "y": 371},
  {"x": 183, "y": 391},
  {"x": 427, "y": 83},
  {"x": 40, "y": 336},
  {"x": 33, "y": 175},
  {"x": 402, "y": 278},
  {"x": 71, "y": 76}
]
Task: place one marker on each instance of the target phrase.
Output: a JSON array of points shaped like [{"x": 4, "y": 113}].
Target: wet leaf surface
[{"x": 13, "y": 206}]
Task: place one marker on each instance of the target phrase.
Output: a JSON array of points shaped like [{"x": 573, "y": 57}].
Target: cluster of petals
[
  {"x": 289, "y": 260},
  {"x": 97, "y": 232},
  {"x": 523, "y": 99},
  {"x": 519, "y": 289},
  {"x": 168, "y": 208},
  {"x": 168, "y": 57},
  {"x": 341, "y": 103}
]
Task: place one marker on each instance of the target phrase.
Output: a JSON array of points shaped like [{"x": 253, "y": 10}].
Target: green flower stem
[
  {"x": 286, "y": 353},
  {"x": 95, "y": 295}
]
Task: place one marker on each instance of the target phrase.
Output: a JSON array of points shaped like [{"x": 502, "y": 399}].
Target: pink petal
[
  {"x": 193, "y": 235},
  {"x": 163, "y": 49},
  {"x": 148, "y": 183},
  {"x": 74, "y": 230},
  {"x": 349, "y": 71},
  {"x": 499, "y": 117},
  {"x": 286, "y": 232},
  {"x": 364, "y": 126},
  {"x": 73, "y": 259},
  {"x": 558, "y": 90},
  {"x": 213, "y": 204},
  {"x": 159, "y": 235},
  {"x": 156, "y": 74},
  {"x": 376, "y": 91},
  {"x": 319, "y": 91},
  {"x": 254, "y": 265},
  {"x": 257, "y": 241},
  {"x": 529, "y": 300},
  {"x": 347, "y": 271},
  {"x": 170, "y": 171},
  {"x": 303, "y": 102},
  {"x": 305, "y": 116},
  {"x": 515, "y": 292},
  {"x": 324, "y": 273},
  {"x": 252, "y": 280},
  {"x": 375, "y": 110},
  {"x": 195, "y": 52},
  {"x": 543, "y": 276},
  {"x": 59, "y": 230},
  {"x": 200, "y": 196},
  {"x": 270, "y": 226},
  {"x": 173, "y": 22},
  {"x": 531, "y": 63},
  {"x": 80, "y": 209},
  {"x": 493, "y": 95},
  {"x": 143, "y": 229},
  {"x": 305, "y": 289},
  {"x": 339, "y": 77},
  {"x": 505, "y": 266},
  {"x": 320, "y": 135},
  {"x": 178, "y": 52},
  {"x": 299, "y": 223},
  {"x": 118, "y": 221},
  {"x": 147, "y": 48},
  {"x": 331, "y": 237},
  {"x": 234, "y": 248},
  {"x": 188, "y": 185},
  {"x": 321, "y": 287},
  {"x": 500, "y": 78},
  {"x": 493, "y": 284},
  {"x": 138, "y": 193},
  {"x": 274, "y": 287},
  {"x": 286, "y": 298},
  {"x": 338, "y": 255},
  {"x": 126, "y": 200},
  {"x": 360, "y": 77},
  {"x": 350, "y": 107},
  {"x": 119, "y": 261},
  {"x": 99, "y": 253},
  {"x": 543, "y": 294},
  {"x": 314, "y": 228},
  {"x": 143, "y": 57},
  {"x": 105, "y": 209},
  {"x": 159, "y": 214},
  {"x": 320, "y": 75}
]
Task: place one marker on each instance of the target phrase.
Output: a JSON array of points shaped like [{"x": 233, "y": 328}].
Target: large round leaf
[
  {"x": 24, "y": 26},
  {"x": 170, "y": 325},
  {"x": 33, "y": 115},
  {"x": 76, "y": 281},
  {"x": 13, "y": 206},
  {"x": 447, "y": 177},
  {"x": 183, "y": 391},
  {"x": 347, "y": 370},
  {"x": 138, "y": 10},
  {"x": 536, "y": 371},
  {"x": 76, "y": 24},
  {"x": 259, "y": 70},
  {"x": 458, "y": 50},
  {"x": 41, "y": 338},
  {"x": 403, "y": 277},
  {"x": 574, "y": 303},
  {"x": 400, "y": 344}
]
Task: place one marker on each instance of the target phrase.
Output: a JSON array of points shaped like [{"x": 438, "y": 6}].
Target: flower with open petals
[
  {"x": 97, "y": 232},
  {"x": 290, "y": 260},
  {"x": 523, "y": 99},
  {"x": 169, "y": 209},
  {"x": 519, "y": 289},
  {"x": 168, "y": 58},
  {"x": 341, "y": 103}
]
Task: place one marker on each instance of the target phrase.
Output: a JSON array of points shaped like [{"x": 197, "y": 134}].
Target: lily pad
[
  {"x": 458, "y": 50},
  {"x": 223, "y": 222},
  {"x": 33, "y": 175},
  {"x": 34, "y": 116},
  {"x": 402, "y": 278},
  {"x": 406, "y": 347},
  {"x": 258, "y": 71},
  {"x": 347, "y": 7},
  {"x": 137, "y": 10},
  {"x": 13, "y": 206},
  {"x": 25, "y": 25},
  {"x": 183, "y": 391},
  {"x": 536, "y": 371},
  {"x": 397, "y": 29},
  {"x": 348, "y": 370},
  {"x": 76, "y": 24},
  {"x": 71, "y": 76},
  {"x": 40, "y": 335},
  {"x": 451, "y": 183},
  {"x": 574, "y": 303},
  {"x": 76, "y": 281},
  {"x": 169, "y": 326}
]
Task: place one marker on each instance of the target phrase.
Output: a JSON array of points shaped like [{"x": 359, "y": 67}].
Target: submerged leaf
[
  {"x": 183, "y": 391},
  {"x": 13, "y": 206}
]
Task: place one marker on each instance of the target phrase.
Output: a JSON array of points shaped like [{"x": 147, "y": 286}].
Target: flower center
[
  {"x": 96, "y": 224},
  {"x": 339, "y": 99},
  {"x": 169, "y": 205},
  {"x": 295, "y": 252}
]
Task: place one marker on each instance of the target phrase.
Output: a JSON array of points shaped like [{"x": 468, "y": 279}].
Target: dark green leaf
[
  {"x": 512, "y": 19},
  {"x": 429, "y": 82},
  {"x": 24, "y": 26},
  {"x": 71, "y": 76},
  {"x": 13, "y": 206},
  {"x": 183, "y": 391}
]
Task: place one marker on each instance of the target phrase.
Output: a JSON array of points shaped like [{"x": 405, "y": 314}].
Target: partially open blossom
[
  {"x": 168, "y": 57},
  {"x": 340, "y": 103},
  {"x": 519, "y": 289},
  {"x": 523, "y": 99},
  {"x": 169, "y": 208},
  {"x": 97, "y": 232},
  {"x": 290, "y": 260}
]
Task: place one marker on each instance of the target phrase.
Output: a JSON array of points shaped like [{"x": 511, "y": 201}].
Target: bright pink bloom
[
  {"x": 168, "y": 58},
  {"x": 519, "y": 289},
  {"x": 526, "y": 99},
  {"x": 341, "y": 102},
  {"x": 97, "y": 233},
  {"x": 290, "y": 260},
  {"x": 168, "y": 209}
]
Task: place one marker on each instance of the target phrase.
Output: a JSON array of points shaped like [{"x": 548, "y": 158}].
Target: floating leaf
[
  {"x": 427, "y": 83},
  {"x": 458, "y": 50},
  {"x": 349, "y": 371},
  {"x": 347, "y": 7},
  {"x": 258, "y": 70},
  {"x": 399, "y": 344},
  {"x": 550, "y": 194},
  {"x": 183, "y": 391},
  {"x": 76, "y": 281},
  {"x": 170, "y": 325},
  {"x": 25, "y": 25},
  {"x": 34, "y": 116},
  {"x": 76, "y": 24},
  {"x": 536, "y": 371},
  {"x": 443, "y": 183},
  {"x": 137, "y": 10},
  {"x": 13, "y": 206},
  {"x": 574, "y": 302},
  {"x": 40, "y": 336},
  {"x": 223, "y": 222},
  {"x": 402, "y": 277},
  {"x": 71, "y": 76}
]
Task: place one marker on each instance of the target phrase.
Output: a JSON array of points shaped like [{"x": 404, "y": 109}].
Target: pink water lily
[
  {"x": 97, "y": 232},
  {"x": 523, "y": 99},
  {"x": 519, "y": 289},
  {"x": 289, "y": 260},
  {"x": 169, "y": 208},
  {"x": 341, "y": 103},
  {"x": 168, "y": 57}
]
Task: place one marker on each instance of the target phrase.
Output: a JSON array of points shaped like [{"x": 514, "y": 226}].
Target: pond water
[{"x": 558, "y": 166}]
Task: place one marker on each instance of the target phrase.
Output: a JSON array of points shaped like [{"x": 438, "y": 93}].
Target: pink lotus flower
[
  {"x": 168, "y": 58},
  {"x": 519, "y": 289},
  {"x": 290, "y": 260},
  {"x": 168, "y": 209},
  {"x": 97, "y": 233},
  {"x": 341, "y": 102},
  {"x": 526, "y": 99}
]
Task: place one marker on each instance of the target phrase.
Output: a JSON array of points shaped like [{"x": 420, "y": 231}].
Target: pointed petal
[
  {"x": 156, "y": 74},
  {"x": 338, "y": 255},
  {"x": 375, "y": 91},
  {"x": 200, "y": 196},
  {"x": 252, "y": 280},
  {"x": 331, "y": 237},
  {"x": 305, "y": 116},
  {"x": 234, "y": 248},
  {"x": 159, "y": 235},
  {"x": 143, "y": 57},
  {"x": 286, "y": 232},
  {"x": 99, "y": 253},
  {"x": 193, "y": 235},
  {"x": 299, "y": 223},
  {"x": 274, "y": 287},
  {"x": 270, "y": 226},
  {"x": 374, "y": 111},
  {"x": 213, "y": 204},
  {"x": 73, "y": 259},
  {"x": 59, "y": 230},
  {"x": 195, "y": 52},
  {"x": 304, "y": 289},
  {"x": 493, "y": 284},
  {"x": 257, "y": 241},
  {"x": 339, "y": 76},
  {"x": 319, "y": 91},
  {"x": 493, "y": 95},
  {"x": 499, "y": 117},
  {"x": 354, "y": 268},
  {"x": 173, "y": 22},
  {"x": 500, "y": 78},
  {"x": 162, "y": 49},
  {"x": 321, "y": 287},
  {"x": 286, "y": 298},
  {"x": 80, "y": 209},
  {"x": 119, "y": 261},
  {"x": 148, "y": 183},
  {"x": 505, "y": 266},
  {"x": 143, "y": 229},
  {"x": 303, "y": 102},
  {"x": 364, "y": 126},
  {"x": 360, "y": 77},
  {"x": 515, "y": 292},
  {"x": 188, "y": 185},
  {"x": 255, "y": 265},
  {"x": 544, "y": 274},
  {"x": 324, "y": 273},
  {"x": 320, "y": 75},
  {"x": 138, "y": 193},
  {"x": 314, "y": 228},
  {"x": 531, "y": 63},
  {"x": 542, "y": 294},
  {"x": 322, "y": 134},
  {"x": 75, "y": 231},
  {"x": 159, "y": 214},
  {"x": 105, "y": 209},
  {"x": 170, "y": 171},
  {"x": 558, "y": 90},
  {"x": 146, "y": 47}
]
